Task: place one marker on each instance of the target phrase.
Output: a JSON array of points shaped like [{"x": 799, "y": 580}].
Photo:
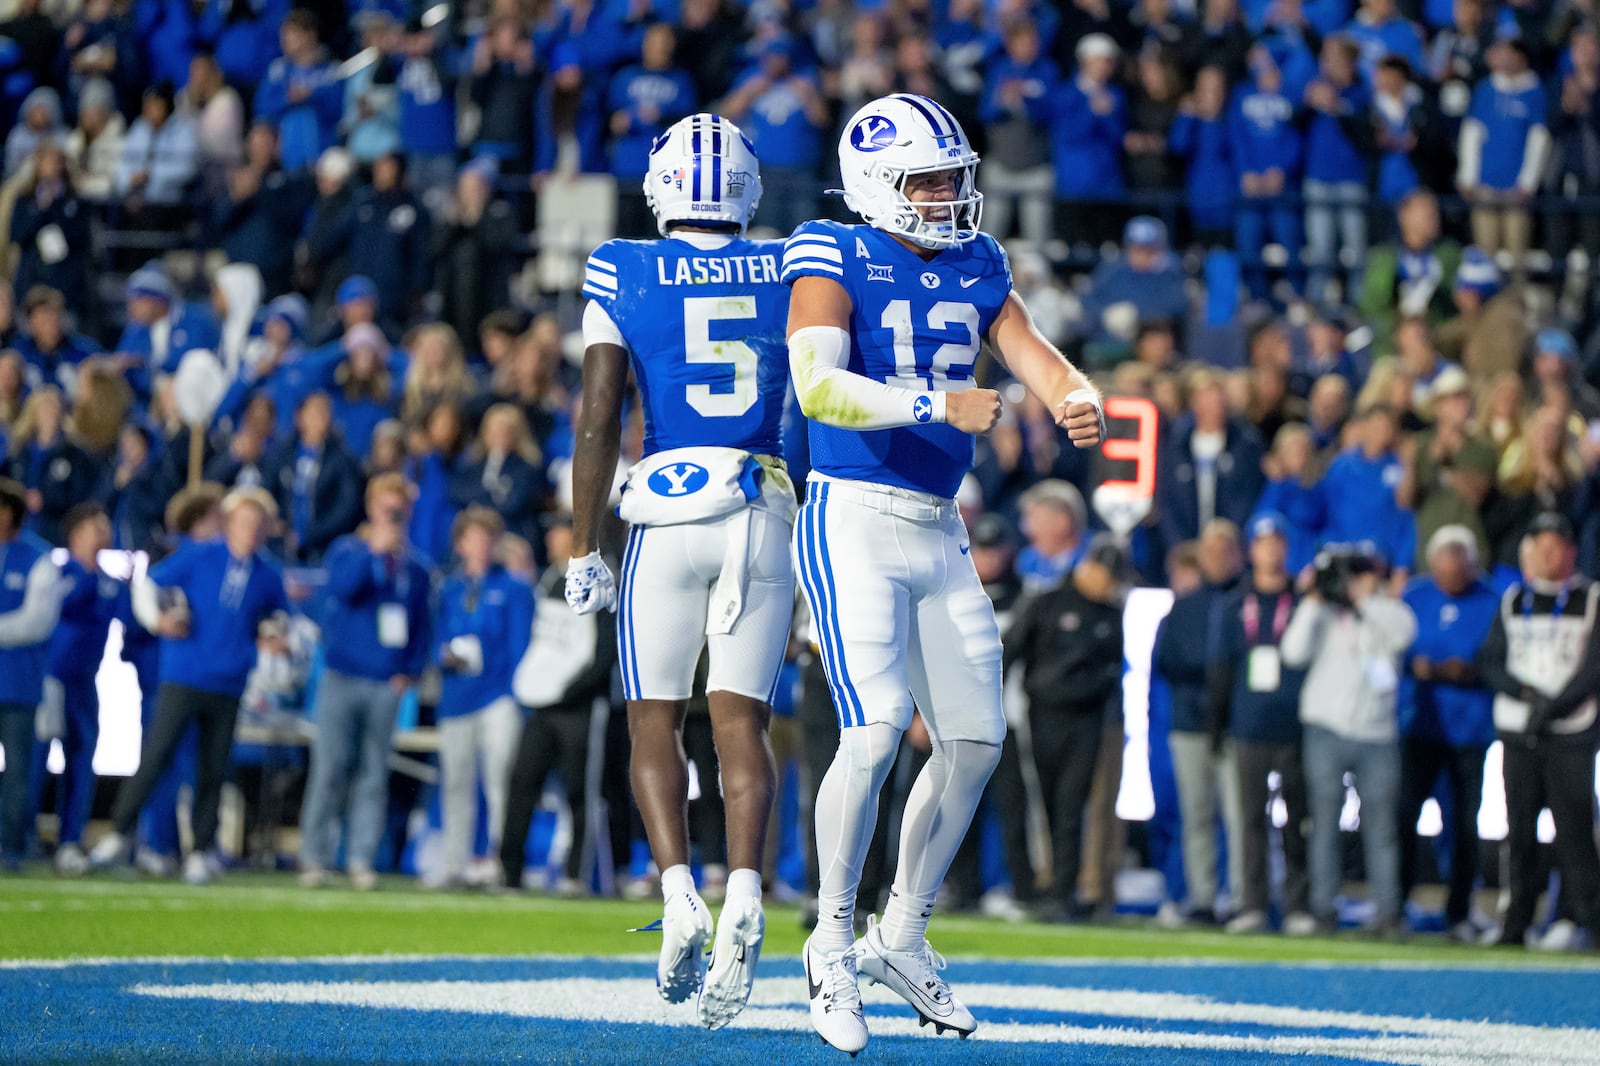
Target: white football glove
[{"x": 590, "y": 586}]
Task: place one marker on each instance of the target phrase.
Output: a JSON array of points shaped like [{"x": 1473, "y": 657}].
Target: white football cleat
[
  {"x": 196, "y": 871},
  {"x": 732, "y": 970},
  {"x": 111, "y": 850},
  {"x": 836, "y": 1011},
  {"x": 685, "y": 932},
  {"x": 914, "y": 977},
  {"x": 71, "y": 861}
]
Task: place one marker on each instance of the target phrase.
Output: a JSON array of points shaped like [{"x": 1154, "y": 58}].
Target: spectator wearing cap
[
  {"x": 1446, "y": 720},
  {"x": 482, "y": 627},
  {"x": 472, "y": 250},
  {"x": 161, "y": 329},
  {"x": 1350, "y": 636},
  {"x": 1358, "y": 491},
  {"x": 1210, "y": 464},
  {"x": 316, "y": 482},
  {"x": 1186, "y": 645},
  {"x": 1253, "y": 703},
  {"x": 1449, "y": 469},
  {"x": 1017, "y": 179},
  {"x": 335, "y": 190},
  {"x": 94, "y": 148},
  {"x": 643, "y": 100},
  {"x": 1490, "y": 334},
  {"x": 208, "y": 602},
  {"x": 1542, "y": 658},
  {"x": 218, "y": 115},
  {"x": 1335, "y": 184},
  {"x": 52, "y": 353},
  {"x": 301, "y": 93},
  {"x": 1502, "y": 152},
  {"x": 160, "y": 164},
  {"x": 276, "y": 365},
  {"x": 261, "y": 210},
  {"x": 1067, "y": 641},
  {"x": 1558, "y": 378},
  {"x": 504, "y": 84},
  {"x": 89, "y": 601},
  {"x": 30, "y": 603},
  {"x": 1267, "y": 148},
  {"x": 39, "y": 122},
  {"x": 384, "y": 235},
  {"x": 780, "y": 107},
  {"x": 378, "y": 606},
  {"x": 1412, "y": 277},
  {"x": 50, "y": 226},
  {"x": 43, "y": 456},
  {"x": 1087, "y": 116},
  {"x": 1055, "y": 524},
  {"x": 1144, "y": 285},
  {"x": 1200, "y": 137},
  {"x": 365, "y": 387}
]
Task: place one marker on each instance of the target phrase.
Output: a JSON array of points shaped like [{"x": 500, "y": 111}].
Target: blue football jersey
[
  {"x": 706, "y": 332},
  {"x": 914, "y": 323}
]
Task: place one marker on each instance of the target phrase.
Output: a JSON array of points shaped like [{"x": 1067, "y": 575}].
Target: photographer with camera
[
  {"x": 378, "y": 608},
  {"x": 1542, "y": 658},
  {"x": 1351, "y": 634}
]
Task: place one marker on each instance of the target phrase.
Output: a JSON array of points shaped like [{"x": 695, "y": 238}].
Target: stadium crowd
[{"x": 1344, "y": 250}]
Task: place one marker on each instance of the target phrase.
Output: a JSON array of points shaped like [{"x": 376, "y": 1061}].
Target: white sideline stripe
[{"x": 779, "y": 1004}]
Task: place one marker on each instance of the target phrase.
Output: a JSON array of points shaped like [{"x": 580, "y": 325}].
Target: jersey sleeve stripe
[
  {"x": 816, "y": 251},
  {"x": 812, "y": 238},
  {"x": 600, "y": 281},
  {"x": 794, "y": 267},
  {"x": 601, "y": 264},
  {"x": 596, "y": 293}
]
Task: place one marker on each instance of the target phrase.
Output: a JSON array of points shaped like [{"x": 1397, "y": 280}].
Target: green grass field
[{"x": 268, "y": 915}]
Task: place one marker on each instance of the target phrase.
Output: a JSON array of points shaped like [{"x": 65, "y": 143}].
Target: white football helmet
[
  {"x": 898, "y": 136},
  {"x": 703, "y": 170}
]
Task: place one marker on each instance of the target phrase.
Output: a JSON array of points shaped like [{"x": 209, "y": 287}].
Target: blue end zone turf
[{"x": 549, "y": 1010}]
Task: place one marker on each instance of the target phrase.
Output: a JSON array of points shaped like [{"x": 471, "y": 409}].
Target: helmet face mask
[
  {"x": 889, "y": 144},
  {"x": 703, "y": 172}
]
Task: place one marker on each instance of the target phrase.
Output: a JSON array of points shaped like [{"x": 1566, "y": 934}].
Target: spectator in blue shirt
[
  {"x": 484, "y": 623},
  {"x": 782, "y": 110},
  {"x": 1055, "y": 524},
  {"x": 316, "y": 481},
  {"x": 1087, "y": 117},
  {"x": 1380, "y": 30},
  {"x": 1017, "y": 178},
  {"x": 53, "y": 355},
  {"x": 301, "y": 93},
  {"x": 433, "y": 449},
  {"x": 88, "y": 603},
  {"x": 1446, "y": 713},
  {"x": 1502, "y": 152},
  {"x": 427, "y": 110},
  {"x": 1290, "y": 493},
  {"x": 1147, "y": 278},
  {"x": 1200, "y": 138},
  {"x": 1210, "y": 465},
  {"x": 644, "y": 100},
  {"x": 370, "y": 125},
  {"x": 378, "y": 610},
  {"x": 1358, "y": 491},
  {"x": 244, "y": 38},
  {"x": 1254, "y": 700},
  {"x": 30, "y": 603},
  {"x": 1396, "y": 128},
  {"x": 1266, "y": 143},
  {"x": 209, "y": 602},
  {"x": 364, "y": 391},
  {"x": 1335, "y": 172},
  {"x": 262, "y": 211},
  {"x": 160, "y": 164},
  {"x": 161, "y": 328}
]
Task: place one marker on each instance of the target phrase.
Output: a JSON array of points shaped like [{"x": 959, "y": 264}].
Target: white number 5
[{"x": 698, "y": 314}]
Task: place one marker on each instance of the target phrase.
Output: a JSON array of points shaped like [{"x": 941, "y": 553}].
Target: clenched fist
[{"x": 973, "y": 410}]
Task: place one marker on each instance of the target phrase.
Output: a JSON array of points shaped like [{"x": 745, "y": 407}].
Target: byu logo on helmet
[
  {"x": 873, "y": 134},
  {"x": 679, "y": 479},
  {"x": 922, "y": 409}
]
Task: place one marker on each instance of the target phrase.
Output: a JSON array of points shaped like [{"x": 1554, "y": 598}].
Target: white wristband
[
  {"x": 1083, "y": 396},
  {"x": 938, "y": 406}
]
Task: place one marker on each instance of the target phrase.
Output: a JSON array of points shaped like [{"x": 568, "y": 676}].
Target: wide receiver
[
  {"x": 885, "y": 323},
  {"x": 700, "y": 316}
]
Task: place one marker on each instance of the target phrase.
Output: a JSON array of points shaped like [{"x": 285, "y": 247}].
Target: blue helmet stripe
[
  {"x": 694, "y": 150},
  {"x": 940, "y": 130},
  {"x": 716, "y": 162}
]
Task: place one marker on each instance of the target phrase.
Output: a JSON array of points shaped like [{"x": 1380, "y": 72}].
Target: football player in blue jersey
[
  {"x": 700, "y": 315},
  {"x": 885, "y": 323}
]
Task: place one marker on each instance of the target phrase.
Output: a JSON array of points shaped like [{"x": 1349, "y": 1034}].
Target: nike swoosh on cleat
[{"x": 937, "y": 1011}]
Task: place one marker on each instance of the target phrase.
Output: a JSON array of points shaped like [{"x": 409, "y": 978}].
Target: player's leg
[
  {"x": 953, "y": 666},
  {"x": 745, "y": 664},
  {"x": 851, "y": 568},
  {"x": 661, "y": 610}
]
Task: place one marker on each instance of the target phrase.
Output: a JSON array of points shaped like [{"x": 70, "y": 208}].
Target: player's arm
[
  {"x": 594, "y": 461},
  {"x": 1047, "y": 373},
  {"x": 819, "y": 357}
]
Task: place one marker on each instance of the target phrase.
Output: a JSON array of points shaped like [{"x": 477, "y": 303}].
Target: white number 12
[{"x": 950, "y": 357}]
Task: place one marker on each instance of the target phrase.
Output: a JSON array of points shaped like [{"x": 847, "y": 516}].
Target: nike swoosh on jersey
[
  {"x": 967, "y": 283},
  {"x": 965, "y": 548}
]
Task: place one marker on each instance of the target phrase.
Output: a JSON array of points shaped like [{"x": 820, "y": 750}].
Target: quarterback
[{"x": 885, "y": 324}]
